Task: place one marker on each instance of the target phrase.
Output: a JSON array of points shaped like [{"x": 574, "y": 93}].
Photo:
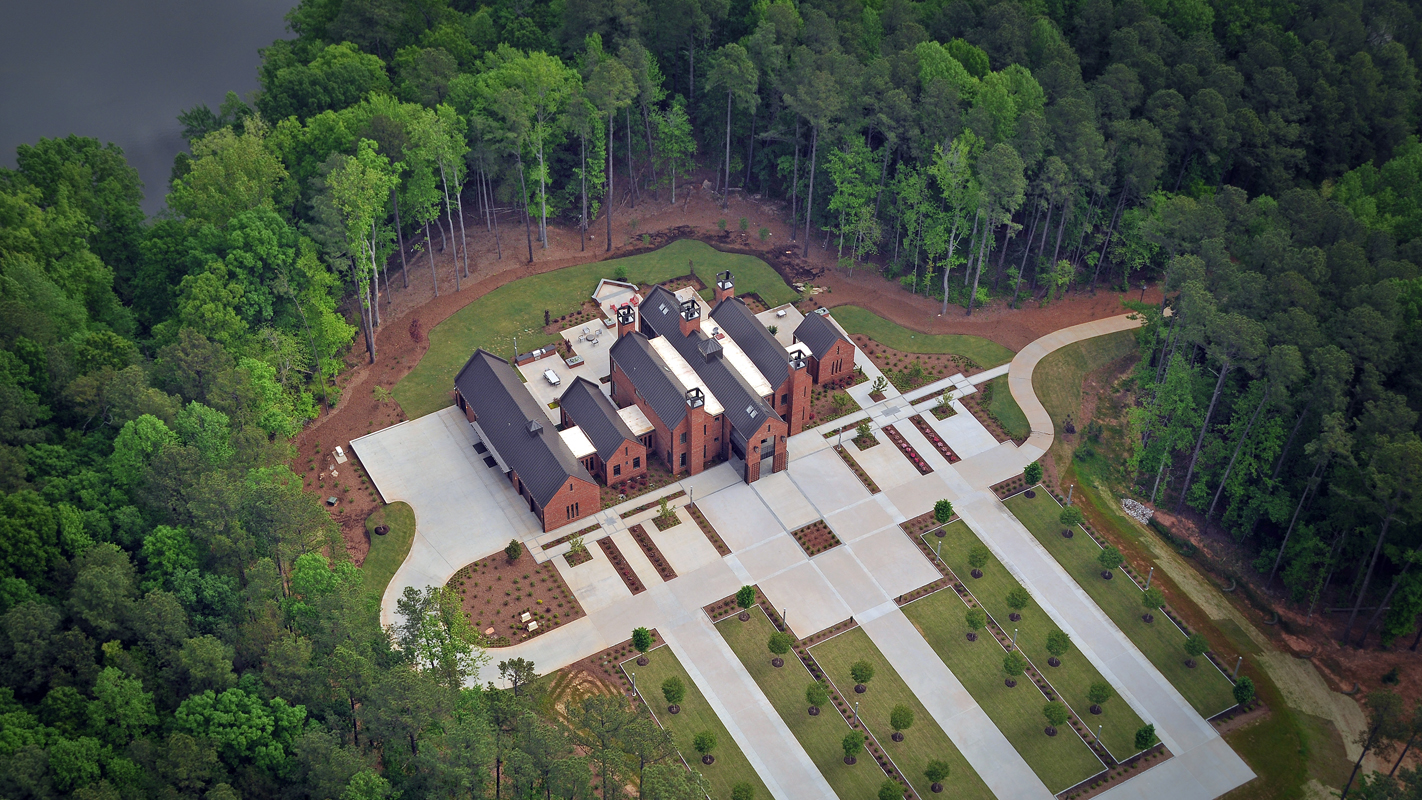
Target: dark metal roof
[
  {"x": 818, "y": 333},
  {"x": 590, "y": 410},
  {"x": 515, "y": 426},
  {"x": 652, "y": 377},
  {"x": 745, "y": 409},
  {"x": 752, "y": 337}
]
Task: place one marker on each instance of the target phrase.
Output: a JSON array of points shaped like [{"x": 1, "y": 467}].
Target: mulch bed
[
  {"x": 865, "y": 442},
  {"x": 933, "y": 438},
  {"x": 575, "y": 558},
  {"x": 935, "y": 365},
  {"x": 705, "y": 525},
  {"x": 666, "y": 523},
  {"x": 657, "y": 477},
  {"x": 907, "y": 449},
  {"x": 857, "y": 470},
  {"x": 816, "y": 538},
  {"x": 624, "y": 570},
  {"x": 1009, "y": 487},
  {"x": 726, "y": 607},
  {"x": 649, "y": 549},
  {"x": 976, "y": 406},
  {"x": 653, "y": 504},
  {"x": 921, "y": 524},
  {"x": 1108, "y": 779},
  {"x": 570, "y": 537},
  {"x": 822, "y": 407},
  {"x": 494, "y": 593},
  {"x": 1237, "y": 717}
]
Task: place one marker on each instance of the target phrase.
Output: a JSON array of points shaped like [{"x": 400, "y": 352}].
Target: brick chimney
[
  {"x": 725, "y": 287},
  {"x": 626, "y": 321},
  {"x": 690, "y": 317}
]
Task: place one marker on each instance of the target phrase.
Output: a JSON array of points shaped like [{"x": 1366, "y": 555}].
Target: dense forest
[{"x": 181, "y": 620}]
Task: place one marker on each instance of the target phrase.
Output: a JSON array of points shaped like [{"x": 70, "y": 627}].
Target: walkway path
[{"x": 876, "y": 563}]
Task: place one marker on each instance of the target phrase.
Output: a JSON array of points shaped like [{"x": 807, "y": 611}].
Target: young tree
[
  {"x": 743, "y": 791},
  {"x": 1000, "y": 173},
  {"x": 862, "y": 672},
  {"x": 942, "y": 511},
  {"x": 745, "y": 597},
  {"x": 359, "y": 186},
  {"x": 673, "y": 690},
  {"x": 1071, "y": 516},
  {"x": 610, "y": 88},
  {"x": 1032, "y": 473},
  {"x": 978, "y": 556},
  {"x": 958, "y": 186},
  {"x": 1196, "y": 645},
  {"x": 779, "y": 643},
  {"x": 1109, "y": 558},
  {"x": 1145, "y": 738},
  {"x": 1244, "y": 691},
  {"x": 1018, "y": 599},
  {"x": 1014, "y": 665},
  {"x": 704, "y": 742},
  {"x": 677, "y": 143},
  {"x": 937, "y": 772},
  {"x": 641, "y": 639},
  {"x": 1056, "y": 714},
  {"x": 1058, "y": 644},
  {"x": 890, "y": 790},
  {"x": 853, "y": 745},
  {"x": 1099, "y": 692},
  {"x": 975, "y": 618},
  {"x": 900, "y": 719},
  {"x": 514, "y": 550},
  {"x": 1152, "y": 599},
  {"x": 518, "y": 672},
  {"x": 816, "y": 695}
]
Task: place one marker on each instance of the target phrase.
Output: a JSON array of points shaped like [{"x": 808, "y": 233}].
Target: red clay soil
[
  {"x": 816, "y": 538},
  {"x": 496, "y": 593},
  {"x": 408, "y": 313}
]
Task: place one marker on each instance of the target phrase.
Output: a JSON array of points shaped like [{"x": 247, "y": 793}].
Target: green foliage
[
  {"x": 1145, "y": 737},
  {"x": 890, "y": 790},
  {"x": 243, "y": 726},
  {"x": 1109, "y": 557},
  {"x": 936, "y": 771},
  {"x": 513, "y": 551},
  {"x": 743, "y": 791},
  {"x": 1196, "y": 645},
  {"x": 704, "y": 742},
  {"x": 1058, "y": 643},
  {"x": 641, "y": 639},
  {"x": 673, "y": 690},
  {"x": 975, "y": 618},
  {"x": 816, "y": 694},
  {"x": 861, "y": 671},
  {"x": 942, "y": 511},
  {"x": 1013, "y": 664},
  {"x": 1244, "y": 691},
  {"x": 1099, "y": 692},
  {"x": 978, "y": 556},
  {"x": 1032, "y": 473},
  {"x": 901, "y": 717},
  {"x": 780, "y": 642},
  {"x": 1018, "y": 599},
  {"x": 1152, "y": 598},
  {"x": 1056, "y": 713},
  {"x": 852, "y": 744},
  {"x": 1071, "y": 516},
  {"x": 745, "y": 596}
]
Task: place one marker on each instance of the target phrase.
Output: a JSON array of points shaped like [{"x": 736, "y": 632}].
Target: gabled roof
[
  {"x": 819, "y": 333},
  {"x": 768, "y": 355},
  {"x": 514, "y": 425},
  {"x": 745, "y": 408},
  {"x": 596, "y": 416},
  {"x": 652, "y": 377}
]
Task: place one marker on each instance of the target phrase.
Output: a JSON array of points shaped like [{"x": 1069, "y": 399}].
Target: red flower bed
[
  {"x": 908, "y": 450},
  {"x": 649, "y": 549},
  {"x": 624, "y": 570},
  {"x": 933, "y": 438}
]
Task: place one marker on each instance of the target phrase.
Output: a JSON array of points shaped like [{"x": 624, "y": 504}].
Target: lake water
[{"x": 121, "y": 71}]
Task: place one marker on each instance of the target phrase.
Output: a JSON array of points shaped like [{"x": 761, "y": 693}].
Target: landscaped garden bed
[
  {"x": 657, "y": 477},
  {"x": 1208, "y": 690},
  {"x": 815, "y": 538},
  {"x": 1009, "y": 487},
  {"x": 1071, "y": 674},
  {"x": 650, "y": 550},
  {"x": 653, "y": 504},
  {"x": 495, "y": 593},
  {"x": 576, "y": 557},
  {"x": 931, "y": 366},
  {"x": 694, "y": 715},
  {"x": 943, "y": 409},
  {"x": 857, "y": 470},
  {"x": 569, "y": 537},
  {"x": 667, "y": 521},
  {"x": 829, "y": 403},
  {"x": 922, "y": 741},
  {"x": 624, "y": 570},
  {"x": 922, "y": 524},
  {"x": 933, "y": 438},
  {"x": 1002, "y": 417},
  {"x": 907, "y": 449},
  {"x": 706, "y": 528}
]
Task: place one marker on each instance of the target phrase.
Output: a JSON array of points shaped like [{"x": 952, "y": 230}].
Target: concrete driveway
[{"x": 464, "y": 510}]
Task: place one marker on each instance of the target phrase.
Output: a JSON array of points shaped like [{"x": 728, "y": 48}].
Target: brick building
[
  {"x": 544, "y": 465},
  {"x": 618, "y": 452},
  {"x": 831, "y": 355}
]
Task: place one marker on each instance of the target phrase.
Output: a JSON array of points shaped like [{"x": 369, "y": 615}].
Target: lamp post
[
  {"x": 1150, "y": 575},
  {"x": 938, "y": 552},
  {"x": 634, "y": 684},
  {"x": 1070, "y": 491},
  {"x": 1235, "y": 676},
  {"x": 856, "y": 710},
  {"x": 1014, "y": 638}
]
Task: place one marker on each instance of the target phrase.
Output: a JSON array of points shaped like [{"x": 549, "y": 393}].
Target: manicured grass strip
[
  {"x": 785, "y": 689},
  {"x": 1076, "y": 674},
  {"x": 731, "y": 766},
  {"x": 1061, "y": 761},
  {"x": 516, "y": 309},
  {"x": 1207, "y": 689},
  {"x": 923, "y": 742},
  {"x": 387, "y": 552},
  {"x": 1058, "y": 378},
  {"x": 1004, "y": 407},
  {"x": 985, "y": 352}
]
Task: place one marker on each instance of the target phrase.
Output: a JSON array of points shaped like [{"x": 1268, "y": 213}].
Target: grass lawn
[
  {"x": 1076, "y": 674},
  {"x": 923, "y": 742},
  {"x": 1058, "y": 378},
  {"x": 516, "y": 309},
  {"x": 731, "y": 766},
  {"x": 854, "y": 319},
  {"x": 387, "y": 552},
  {"x": 1004, "y": 407},
  {"x": 785, "y": 689},
  {"x": 1060, "y": 761},
  {"x": 1209, "y": 691}
]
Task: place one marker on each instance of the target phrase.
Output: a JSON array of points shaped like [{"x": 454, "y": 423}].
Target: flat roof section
[
  {"x": 739, "y": 361},
  {"x": 684, "y": 373},
  {"x": 577, "y": 441},
  {"x": 636, "y": 420}
]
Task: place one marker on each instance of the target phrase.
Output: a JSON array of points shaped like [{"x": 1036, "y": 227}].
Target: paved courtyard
[{"x": 859, "y": 579}]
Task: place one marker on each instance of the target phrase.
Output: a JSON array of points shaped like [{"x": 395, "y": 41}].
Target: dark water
[{"x": 121, "y": 71}]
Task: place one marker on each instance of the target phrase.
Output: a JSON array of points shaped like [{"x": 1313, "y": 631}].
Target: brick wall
[{"x": 576, "y": 492}]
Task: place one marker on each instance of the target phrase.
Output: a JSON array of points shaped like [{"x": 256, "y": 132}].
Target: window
[
  {"x": 636, "y": 462},
  {"x": 683, "y": 437},
  {"x": 614, "y": 388},
  {"x": 784, "y": 398},
  {"x": 683, "y": 459},
  {"x": 572, "y": 511},
  {"x": 616, "y": 469}
]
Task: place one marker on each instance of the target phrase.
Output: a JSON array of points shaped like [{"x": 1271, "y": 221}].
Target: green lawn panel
[
  {"x": 1205, "y": 687},
  {"x": 1060, "y": 761},
  {"x": 731, "y": 766},
  {"x": 1076, "y": 674},
  {"x": 516, "y": 310},
  {"x": 923, "y": 742},
  {"x": 1004, "y": 407},
  {"x": 985, "y": 352},
  {"x": 387, "y": 552},
  {"x": 785, "y": 689}
]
